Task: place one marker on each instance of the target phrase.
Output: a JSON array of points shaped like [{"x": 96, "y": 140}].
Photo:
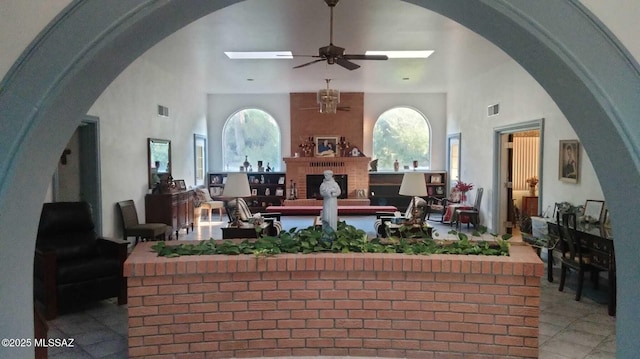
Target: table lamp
[
  {"x": 237, "y": 186},
  {"x": 414, "y": 185}
]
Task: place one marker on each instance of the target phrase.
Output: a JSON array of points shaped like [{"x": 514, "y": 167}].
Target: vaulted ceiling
[{"x": 196, "y": 52}]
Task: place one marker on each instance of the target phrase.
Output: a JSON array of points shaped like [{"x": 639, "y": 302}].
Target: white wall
[
  {"x": 433, "y": 106},
  {"x": 521, "y": 99},
  {"x": 222, "y": 106},
  {"x": 127, "y": 111}
]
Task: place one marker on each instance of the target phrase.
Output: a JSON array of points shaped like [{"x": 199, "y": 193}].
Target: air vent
[
  {"x": 163, "y": 111},
  {"x": 493, "y": 110}
]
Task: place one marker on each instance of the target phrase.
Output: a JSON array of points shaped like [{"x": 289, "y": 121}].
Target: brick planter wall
[{"x": 377, "y": 305}]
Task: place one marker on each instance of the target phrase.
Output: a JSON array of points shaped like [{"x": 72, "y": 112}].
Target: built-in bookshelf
[
  {"x": 384, "y": 188},
  {"x": 267, "y": 189}
]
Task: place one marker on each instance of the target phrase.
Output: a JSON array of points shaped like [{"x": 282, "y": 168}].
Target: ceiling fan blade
[
  {"x": 308, "y": 63},
  {"x": 366, "y": 57},
  {"x": 347, "y": 64}
]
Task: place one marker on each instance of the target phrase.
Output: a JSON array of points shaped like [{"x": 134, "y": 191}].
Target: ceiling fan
[
  {"x": 328, "y": 100},
  {"x": 334, "y": 54}
]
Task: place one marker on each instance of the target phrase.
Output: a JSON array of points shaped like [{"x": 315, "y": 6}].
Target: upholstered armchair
[
  {"x": 245, "y": 215},
  {"x": 439, "y": 205},
  {"x": 381, "y": 217},
  {"x": 72, "y": 265},
  {"x": 202, "y": 200}
]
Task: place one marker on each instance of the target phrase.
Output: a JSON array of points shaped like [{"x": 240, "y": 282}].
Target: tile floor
[{"x": 568, "y": 329}]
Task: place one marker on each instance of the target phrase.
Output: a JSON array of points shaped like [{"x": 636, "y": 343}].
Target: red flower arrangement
[{"x": 464, "y": 187}]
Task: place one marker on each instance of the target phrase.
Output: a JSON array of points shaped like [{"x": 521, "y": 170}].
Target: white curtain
[{"x": 525, "y": 161}]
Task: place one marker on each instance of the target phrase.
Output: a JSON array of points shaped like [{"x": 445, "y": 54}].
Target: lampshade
[
  {"x": 237, "y": 185},
  {"x": 413, "y": 184}
]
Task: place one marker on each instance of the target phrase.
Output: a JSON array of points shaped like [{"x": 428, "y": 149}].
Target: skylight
[
  {"x": 420, "y": 54},
  {"x": 245, "y": 55}
]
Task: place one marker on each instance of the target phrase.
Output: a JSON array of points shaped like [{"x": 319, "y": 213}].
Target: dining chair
[
  {"x": 574, "y": 255},
  {"x": 131, "y": 227},
  {"x": 472, "y": 214},
  {"x": 439, "y": 205}
]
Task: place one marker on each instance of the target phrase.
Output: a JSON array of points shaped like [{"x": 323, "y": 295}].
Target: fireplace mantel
[{"x": 356, "y": 168}]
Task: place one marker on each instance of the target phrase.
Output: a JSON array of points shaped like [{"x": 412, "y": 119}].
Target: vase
[
  {"x": 463, "y": 197},
  {"x": 532, "y": 190},
  {"x": 246, "y": 163}
]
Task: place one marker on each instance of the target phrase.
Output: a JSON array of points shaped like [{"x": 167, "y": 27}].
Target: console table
[
  {"x": 173, "y": 209},
  {"x": 530, "y": 205}
]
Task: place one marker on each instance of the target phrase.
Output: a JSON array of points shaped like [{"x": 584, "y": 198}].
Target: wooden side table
[
  {"x": 245, "y": 231},
  {"x": 530, "y": 205}
]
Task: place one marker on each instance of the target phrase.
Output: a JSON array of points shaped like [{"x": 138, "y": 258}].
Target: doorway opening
[
  {"x": 518, "y": 160},
  {"x": 77, "y": 177}
]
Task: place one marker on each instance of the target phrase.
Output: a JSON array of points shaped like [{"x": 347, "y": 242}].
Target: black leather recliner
[{"x": 72, "y": 265}]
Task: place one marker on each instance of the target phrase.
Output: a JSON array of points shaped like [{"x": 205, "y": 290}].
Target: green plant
[{"x": 346, "y": 239}]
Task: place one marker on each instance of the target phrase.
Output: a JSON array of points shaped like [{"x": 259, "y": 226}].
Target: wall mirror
[{"x": 159, "y": 159}]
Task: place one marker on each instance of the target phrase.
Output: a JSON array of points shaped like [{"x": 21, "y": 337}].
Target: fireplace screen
[{"x": 314, "y": 182}]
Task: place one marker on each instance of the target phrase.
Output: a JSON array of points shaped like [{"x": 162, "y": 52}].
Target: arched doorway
[{"x": 50, "y": 88}]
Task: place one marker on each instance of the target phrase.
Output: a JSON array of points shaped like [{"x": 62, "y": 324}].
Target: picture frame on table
[
  {"x": 279, "y": 192},
  {"x": 440, "y": 190},
  {"x": 593, "y": 211},
  {"x": 436, "y": 179},
  {"x": 281, "y": 180},
  {"x": 180, "y": 185},
  {"x": 215, "y": 191},
  {"x": 569, "y": 161},
  {"x": 325, "y": 146}
]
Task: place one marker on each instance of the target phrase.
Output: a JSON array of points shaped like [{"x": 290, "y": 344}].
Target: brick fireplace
[{"x": 356, "y": 169}]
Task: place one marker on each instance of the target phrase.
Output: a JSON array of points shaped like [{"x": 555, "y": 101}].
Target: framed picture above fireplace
[{"x": 326, "y": 146}]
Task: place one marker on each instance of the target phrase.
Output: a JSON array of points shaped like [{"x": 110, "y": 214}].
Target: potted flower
[
  {"x": 532, "y": 182},
  {"x": 463, "y": 188}
]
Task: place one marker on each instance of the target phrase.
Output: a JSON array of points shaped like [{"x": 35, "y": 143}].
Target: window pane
[
  {"x": 401, "y": 134},
  {"x": 252, "y": 133}
]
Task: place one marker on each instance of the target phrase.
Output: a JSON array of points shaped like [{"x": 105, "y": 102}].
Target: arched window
[
  {"x": 253, "y": 134},
  {"x": 402, "y": 134}
]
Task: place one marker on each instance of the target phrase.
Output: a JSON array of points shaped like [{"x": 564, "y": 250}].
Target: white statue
[{"x": 330, "y": 190}]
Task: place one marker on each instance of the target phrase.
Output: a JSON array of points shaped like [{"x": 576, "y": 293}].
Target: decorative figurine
[{"x": 330, "y": 190}]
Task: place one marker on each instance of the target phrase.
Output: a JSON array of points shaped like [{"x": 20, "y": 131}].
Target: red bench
[{"x": 342, "y": 210}]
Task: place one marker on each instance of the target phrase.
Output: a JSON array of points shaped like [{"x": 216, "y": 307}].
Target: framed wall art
[
  {"x": 568, "y": 163},
  {"x": 326, "y": 146}
]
